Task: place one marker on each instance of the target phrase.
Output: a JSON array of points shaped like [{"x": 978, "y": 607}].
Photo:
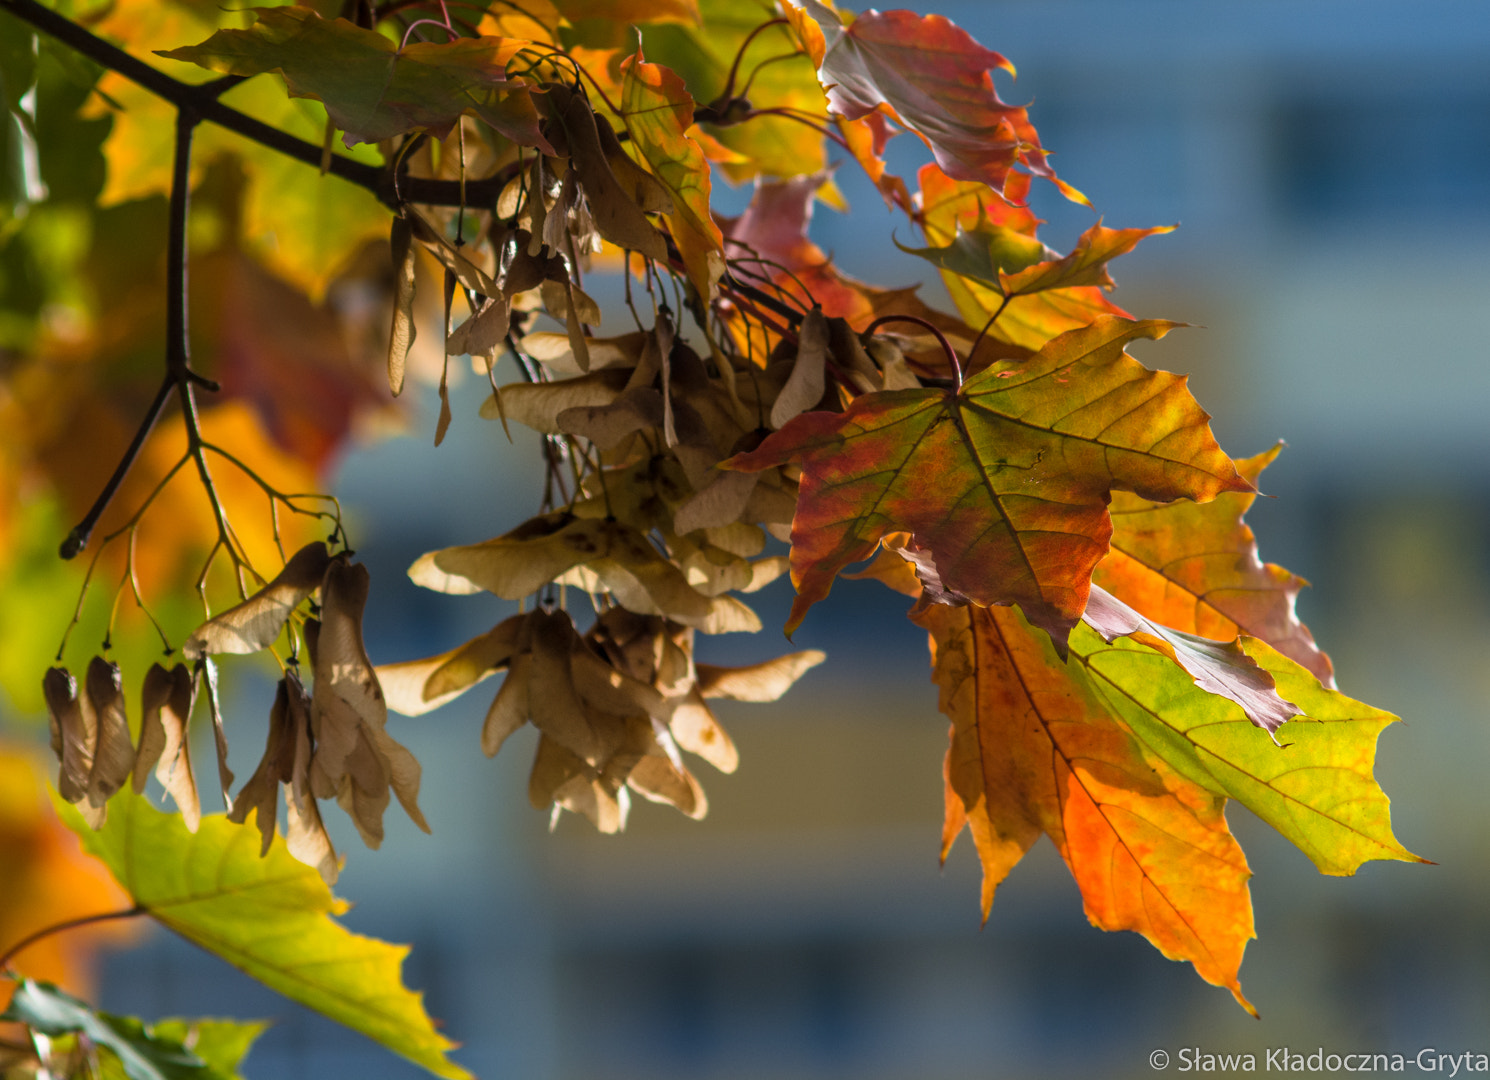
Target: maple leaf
[
  {"x": 373, "y": 89},
  {"x": 1025, "y": 459},
  {"x": 1316, "y": 788},
  {"x": 658, "y": 111},
  {"x": 269, "y": 917},
  {"x": 1034, "y": 751},
  {"x": 1222, "y": 669},
  {"x": 957, "y": 217},
  {"x": 934, "y": 78},
  {"x": 1195, "y": 567},
  {"x": 1014, "y": 264}
]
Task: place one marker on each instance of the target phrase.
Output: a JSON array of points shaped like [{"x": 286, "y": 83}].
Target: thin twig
[
  {"x": 987, "y": 327},
  {"x": 77, "y": 540},
  {"x": 69, "y": 924},
  {"x": 946, "y": 345}
]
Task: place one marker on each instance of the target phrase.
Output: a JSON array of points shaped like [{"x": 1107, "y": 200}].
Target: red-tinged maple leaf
[
  {"x": 773, "y": 229},
  {"x": 373, "y": 89},
  {"x": 935, "y": 79},
  {"x": 1196, "y": 568},
  {"x": 1034, "y": 750},
  {"x": 1003, "y": 483},
  {"x": 946, "y": 202},
  {"x": 866, "y": 138}
]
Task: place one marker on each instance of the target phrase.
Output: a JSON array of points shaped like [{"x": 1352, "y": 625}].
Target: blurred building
[{"x": 1329, "y": 164}]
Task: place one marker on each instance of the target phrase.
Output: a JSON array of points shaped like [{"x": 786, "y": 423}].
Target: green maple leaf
[
  {"x": 269, "y": 917},
  {"x": 1317, "y": 788},
  {"x": 1004, "y": 482}
]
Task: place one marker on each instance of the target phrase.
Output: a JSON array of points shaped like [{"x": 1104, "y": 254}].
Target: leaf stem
[
  {"x": 946, "y": 345},
  {"x": 734, "y": 69},
  {"x": 987, "y": 327},
  {"x": 68, "y": 924}
]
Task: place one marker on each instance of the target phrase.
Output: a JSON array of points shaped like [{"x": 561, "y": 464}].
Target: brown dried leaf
[
  {"x": 255, "y": 623},
  {"x": 553, "y": 703},
  {"x": 1222, "y": 668},
  {"x": 166, "y": 701},
  {"x": 114, "y": 753},
  {"x": 545, "y": 548},
  {"x": 74, "y": 732},
  {"x": 607, "y": 425},
  {"x": 765, "y": 681},
  {"x": 363, "y": 793},
  {"x": 219, "y": 735},
  {"x": 617, "y": 215},
  {"x": 659, "y": 780},
  {"x": 728, "y": 615},
  {"x": 538, "y": 405},
  {"x": 483, "y": 332},
  {"x": 401, "y": 336},
  {"x": 415, "y": 687},
  {"x": 450, "y": 257},
  {"x": 261, "y": 791},
  {"x": 552, "y": 350},
  {"x": 509, "y": 709},
  {"x": 305, "y": 832},
  {"x": 562, "y": 779},
  {"x": 721, "y": 502},
  {"x": 695, "y": 728},
  {"x": 804, "y": 388},
  {"x": 348, "y": 711}
]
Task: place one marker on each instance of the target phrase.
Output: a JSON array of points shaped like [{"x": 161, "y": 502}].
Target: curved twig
[{"x": 68, "y": 924}]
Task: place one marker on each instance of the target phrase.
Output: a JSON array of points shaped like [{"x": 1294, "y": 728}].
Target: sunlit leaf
[
  {"x": 1218, "y": 668},
  {"x": 1025, "y": 457},
  {"x": 1034, "y": 751},
  {"x": 269, "y": 917},
  {"x": 1195, "y": 567},
  {"x": 935, "y": 78},
  {"x": 1317, "y": 788},
  {"x": 371, "y": 88},
  {"x": 658, "y": 111}
]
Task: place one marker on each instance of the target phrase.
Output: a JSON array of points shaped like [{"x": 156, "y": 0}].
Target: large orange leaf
[
  {"x": 935, "y": 79},
  {"x": 1034, "y": 750},
  {"x": 1003, "y": 483},
  {"x": 658, "y": 110},
  {"x": 1196, "y": 568}
]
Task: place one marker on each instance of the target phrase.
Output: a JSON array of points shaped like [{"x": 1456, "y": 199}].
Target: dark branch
[
  {"x": 202, "y": 100},
  {"x": 77, "y": 540}
]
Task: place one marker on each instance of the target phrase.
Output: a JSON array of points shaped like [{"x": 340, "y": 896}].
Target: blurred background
[{"x": 1329, "y": 165}]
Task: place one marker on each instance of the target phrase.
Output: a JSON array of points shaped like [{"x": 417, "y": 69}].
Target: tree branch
[{"x": 203, "y": 100}]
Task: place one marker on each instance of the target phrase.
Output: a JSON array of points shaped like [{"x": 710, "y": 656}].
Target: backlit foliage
[{"x": 1114, "y": 657}]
